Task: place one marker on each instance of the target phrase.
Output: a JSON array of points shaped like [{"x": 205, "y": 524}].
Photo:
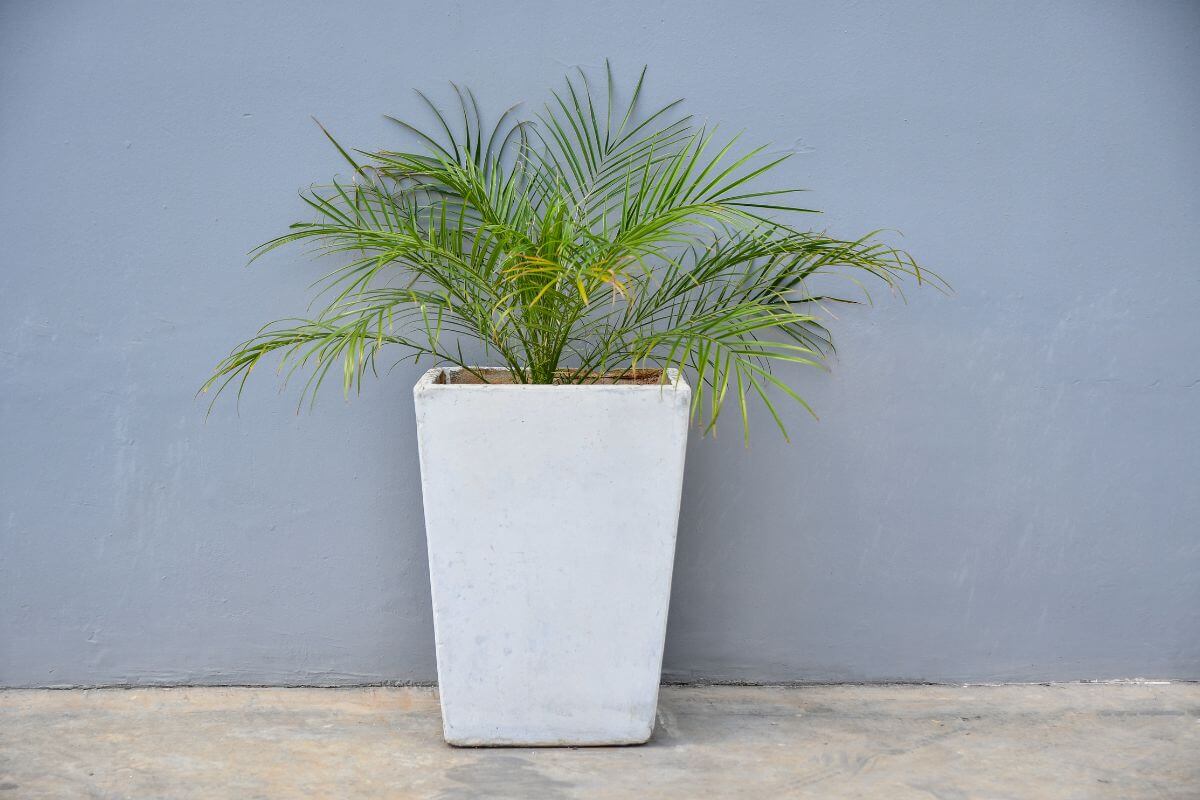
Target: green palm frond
[{"x": 591, "y": 236}]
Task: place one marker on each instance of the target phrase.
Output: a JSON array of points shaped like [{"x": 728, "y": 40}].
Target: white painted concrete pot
[{"x": 551, "y": 514}]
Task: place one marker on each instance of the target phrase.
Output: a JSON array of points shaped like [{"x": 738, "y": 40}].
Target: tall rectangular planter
[{"x": 550, "y": 513}]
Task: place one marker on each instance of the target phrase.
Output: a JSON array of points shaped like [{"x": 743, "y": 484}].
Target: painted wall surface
[{"x": 1004, "y": 484}]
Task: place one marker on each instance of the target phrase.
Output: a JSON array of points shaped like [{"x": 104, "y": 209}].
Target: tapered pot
[{"x": 550, "y": 513}]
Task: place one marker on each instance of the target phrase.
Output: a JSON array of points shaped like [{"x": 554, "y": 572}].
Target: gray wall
[{"x": 1003, "y": 483}]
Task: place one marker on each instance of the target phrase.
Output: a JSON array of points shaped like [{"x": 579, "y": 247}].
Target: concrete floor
[{"x": 889, "y": 742}]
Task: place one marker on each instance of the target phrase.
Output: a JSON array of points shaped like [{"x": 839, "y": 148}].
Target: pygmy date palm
[{"x": 593, "y": 238}]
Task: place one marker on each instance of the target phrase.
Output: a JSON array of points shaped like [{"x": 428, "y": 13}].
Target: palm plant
[{"x": 590, "y": 240}]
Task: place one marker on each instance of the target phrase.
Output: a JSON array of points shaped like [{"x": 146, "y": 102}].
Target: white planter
[{"x": 550, "y": 513}]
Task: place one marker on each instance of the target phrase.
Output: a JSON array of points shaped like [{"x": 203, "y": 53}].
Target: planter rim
[{"x": 429, "y": 383}]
